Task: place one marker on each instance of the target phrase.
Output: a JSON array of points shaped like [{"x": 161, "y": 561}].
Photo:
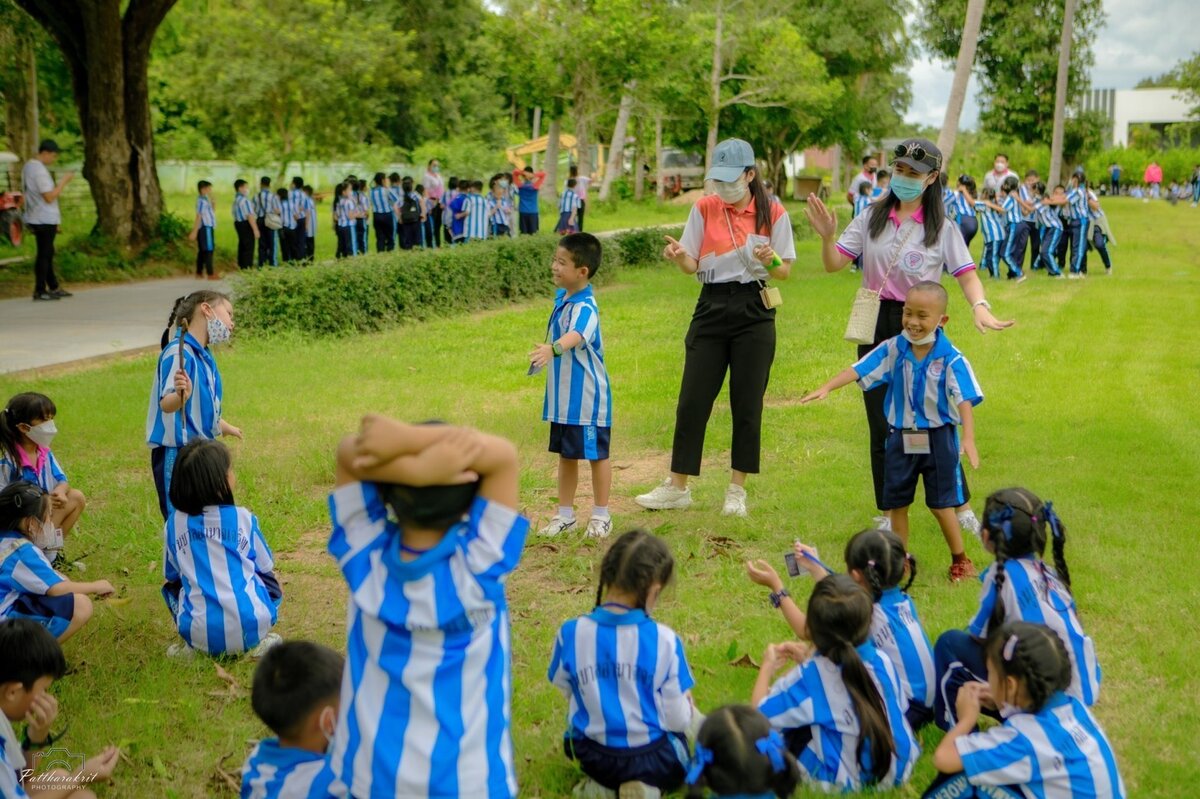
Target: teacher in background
[
  {"x": 904, "y": 239},
  {"x": 734, "y": 242},
  {"x": 42, "y": 216}
]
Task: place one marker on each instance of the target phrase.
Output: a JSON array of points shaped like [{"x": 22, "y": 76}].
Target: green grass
[{"x": 1090, "y": 402}]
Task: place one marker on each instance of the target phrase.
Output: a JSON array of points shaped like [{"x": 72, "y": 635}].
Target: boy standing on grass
[
  {"x": 931, "y": 392},
  {"x": 202, "y": 230},
  {"x": 245, "y": 224},
  {"x": 578, "y": 401},
  {"x": 528, "y": 184}
]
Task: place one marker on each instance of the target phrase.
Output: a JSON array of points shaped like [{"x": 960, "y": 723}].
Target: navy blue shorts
[
  {"x": 941, "y": 469},
  {"x": 579, "y": 442},
  {"x": 52, "y": 612},
  {"x": 661, "y": 763}
]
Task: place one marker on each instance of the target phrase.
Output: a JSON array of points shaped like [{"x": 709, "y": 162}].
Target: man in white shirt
[
  {"x": 995, "y": 179},
  {"x": 870, "y": 166},
  {"x": 42, "y": 216}
]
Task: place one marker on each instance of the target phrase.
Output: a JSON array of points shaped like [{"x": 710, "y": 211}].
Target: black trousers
[
  {"x": 889, "y": 324},
  {"x": 969, "y": 225},
  {"x": 436, "y": 218},
  {"x": 43, "y": 266},
  {"x": 579, "y": 215},
  {"x": 410, "y": 235},
  {"x": 310, "y": 248},
  {"x": 527, "y": 223},
  {"x": 291, "y": 244},
  {"x": 384, "y": 225},
  {"x": 266, "y": 243},
  {"x": 730, "y": 331},
  {"x": 245, "y": 251}
]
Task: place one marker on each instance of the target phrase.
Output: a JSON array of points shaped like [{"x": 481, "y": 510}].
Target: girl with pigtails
[{"x": 1019, "y": 586}]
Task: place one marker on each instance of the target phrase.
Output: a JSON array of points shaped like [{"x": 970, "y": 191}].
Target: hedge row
[{"x": 379, "y": 291}]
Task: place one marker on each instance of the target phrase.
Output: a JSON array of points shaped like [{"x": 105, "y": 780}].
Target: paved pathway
[{"x": 95, "y": 322}]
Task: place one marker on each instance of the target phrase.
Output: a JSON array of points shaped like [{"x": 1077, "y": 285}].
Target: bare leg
[
  {"x": 83, "y": 612},
  {"x": 568, "y": 480},
  {"x": 66, "y": 516},
  {"x": 951, "y": 530},
  {"x": 601, "y": 483},
  {"x": 899, "y": 520},
  {"x": 679, "y": 480},
  {"x": 737, "y": 478}
]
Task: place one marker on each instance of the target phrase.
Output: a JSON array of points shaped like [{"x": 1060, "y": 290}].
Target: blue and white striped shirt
[
  {"x": 475, "y": 225},
  {"x": 287, "y": 212},
  {"x": 499, "y": 210},
  {"x": 569, "y": 203},
  {"x": 23, "y": 570},
  {"x": 1060, "y": 752},
  {"x": 577, "y": 388},
  {"x": 426, "y": 693},
  {"x": 625, "y": 678},
  {"x": 242, "y": 209},
  {"x": 204, "y": 210},
  {"x": 266, "y": 203},
  {"x": 201, "y": 415},
  {"x": 813, "y": 695},
  {"x": 381, "y": 200},
  {"x": 285, "y": 772},
  {"x": 1048, "y": 215},
  {"x": 44, "y": 471},
  {"x": 1032, "y": 592},
  {"x": 896, "y": 631},
  {"x": 309, "y": 209},
  {"x": 1097, "y": 212},
  {"x": 990, "y": 221},
  {"x": 363, "y": 203},
  {"x": 394, "y": 194},
  {"x": 1012, "y": 211},
  {"x": 342, "y": 210},
  {"x": 218, "y": 558},
  {"x": 962, "y": 207},
  {"x": 950, "y": 203},
  {"x": 1077, "y": 204},
  {"x": 861, "y": 203},
  {"x": 12, "y": 762},
  {"x": 1027, "y": 196},
  {"x": 920, "y": 395}
]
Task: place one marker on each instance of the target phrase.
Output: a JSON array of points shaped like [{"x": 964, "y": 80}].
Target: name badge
[{"x": 916, "y": 442}]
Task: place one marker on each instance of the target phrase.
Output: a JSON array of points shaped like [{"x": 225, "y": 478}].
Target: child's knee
[
  {"x": 83, "y": 609},
  {"x": 76, "y": 500}
]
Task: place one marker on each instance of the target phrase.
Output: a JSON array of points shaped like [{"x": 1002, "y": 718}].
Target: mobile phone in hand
[{"x": 793, "y": 568}]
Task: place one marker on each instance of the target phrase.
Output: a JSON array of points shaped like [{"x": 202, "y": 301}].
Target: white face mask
[
  {"x": 920, "y": 342},
  {"x": 730, "y": 192},
  {"x": 43, "y": 433},
  {"x": 1007, "y": 710},
  {"x": 1000, "y": 166}
]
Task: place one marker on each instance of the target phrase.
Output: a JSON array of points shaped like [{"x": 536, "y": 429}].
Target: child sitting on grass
[
  {"x": 30, "y": 660},
  {"x": 739, "y": 755},
  {"x": 295, "y": 693},
  {"x": 218, "y": 572},
  {"x": 427, "y": 688},
  {"x": 931, "y": 391},
  {"x": 29, "y": 586}
]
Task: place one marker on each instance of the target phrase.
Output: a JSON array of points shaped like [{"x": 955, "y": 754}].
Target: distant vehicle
[
  {"x": 682, "y": 171},
  {"x": 11, "y": 203}
]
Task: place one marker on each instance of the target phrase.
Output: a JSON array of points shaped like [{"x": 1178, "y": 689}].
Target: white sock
[
  {"x": 566, "y": 512},
  {"x": 600, "y": 512}
]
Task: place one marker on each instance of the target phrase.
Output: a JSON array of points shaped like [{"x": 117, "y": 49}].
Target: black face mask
[{"x": 870, "y": 170}]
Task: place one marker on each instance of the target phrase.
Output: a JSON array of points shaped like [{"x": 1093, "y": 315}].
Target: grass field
[{"x": 1090, "y": 403}]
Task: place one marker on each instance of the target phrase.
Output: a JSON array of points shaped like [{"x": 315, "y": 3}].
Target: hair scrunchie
[
  {"x": 1002, "y": 520},
  {"x": 1010, "y": 648},
  {"x": 772, "y": 746},
  {"x": 702, "y": 758}
]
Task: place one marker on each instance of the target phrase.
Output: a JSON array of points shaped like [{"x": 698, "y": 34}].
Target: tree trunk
[
  {"x": 962, "y": 75},
  {"x": 639, "y": 160},
  {"x": 551, "y": 167},
  {"x": 20, "y": 100},
  {"x": 714, "y": 88},
  {"x": 537, "y": 131},
  {"x": 108, "y": 56},
  {"x": 1060, "y": 94},
  {"x": 616, "y": 150},
  {"x": 836, "y": 177},
  {"x": 583, "y": 145},
  {"x": 660, "y": 191}
]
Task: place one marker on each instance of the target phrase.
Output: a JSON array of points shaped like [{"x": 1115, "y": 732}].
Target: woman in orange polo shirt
[{"x": 735, "y": 241}]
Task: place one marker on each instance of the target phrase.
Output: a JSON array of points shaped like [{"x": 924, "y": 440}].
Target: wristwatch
[
  {"x": 777, "y": 597},
  {"x": 984, "y": 303},
  {"x": 557, "y": 348}
]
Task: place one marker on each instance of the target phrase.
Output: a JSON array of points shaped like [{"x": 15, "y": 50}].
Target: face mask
[
  {"x": 43, "y": 433},
  {"x": 919, "y": 342},
  {"x": 435, "y": 169},
  {"x": 504, "y": 184},
  {"x": 1000, "y": 166},
  {"x": 731, "y": 192},
  {"x": 906, "y": 188},
  {"x": 218, "y": 331}
]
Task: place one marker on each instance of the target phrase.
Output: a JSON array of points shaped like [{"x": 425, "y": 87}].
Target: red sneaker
[{"x": 961, "y": 570}]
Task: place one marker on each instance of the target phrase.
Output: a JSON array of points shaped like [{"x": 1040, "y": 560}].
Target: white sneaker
[
  {"x": 590, "y": 789},
  {"x": 599, "y": 527},
  {"x": 1108, "y": 271},
  {"x": 665, "y": 497},
  {"x": 970, "y": 522},
  {"x": 269, "y": 640},
  {"x": 557, "y": 526},
  {"x": 881, "y": 523},
  {"x": 638, "y": 790},
  {"x": 735, "y": 501},
  {"x": 1073, "y": 276},
  {"x": 180, "y": 651}
]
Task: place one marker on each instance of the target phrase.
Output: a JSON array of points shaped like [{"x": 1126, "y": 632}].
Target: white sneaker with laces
[
  {"x": 557, "y": 526},
  {"x": 269, "y": 640},
  {"x": 735, "y": 501},
  {"x": 638, "y": 790},
  {"x": 665, "y": 497},
  {"x": 590, "y": 789},
  {"x": 599, "y": 527},
  {"x": 882, "y": 523},
  {"x": 970, "y": 522}
]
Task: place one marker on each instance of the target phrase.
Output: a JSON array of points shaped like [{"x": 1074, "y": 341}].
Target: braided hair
[
  {"x": 1034, "y": 655},
  {"x": 635, "y": 562},
  {"x": 1016, "y": 522},
  {"x": 839, "y": 619},
  {"x": 185, "y": 308},
  {"x": 737, "y": 754},
  {"x": 882, "y": 559}
]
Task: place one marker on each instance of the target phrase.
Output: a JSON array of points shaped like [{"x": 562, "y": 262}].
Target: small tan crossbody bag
[
  {"x": 770, "y": 295},
  {"x": 864, "y": 312}
]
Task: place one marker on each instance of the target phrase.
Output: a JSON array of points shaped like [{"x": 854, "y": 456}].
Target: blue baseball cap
[{"x": 730, "y": 159}]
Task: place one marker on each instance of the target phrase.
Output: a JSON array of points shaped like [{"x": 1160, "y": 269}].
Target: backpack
[{"x": 410, "y": 211}]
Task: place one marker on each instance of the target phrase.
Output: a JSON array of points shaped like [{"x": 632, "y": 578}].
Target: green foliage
[{"x": 461, "y": 157}]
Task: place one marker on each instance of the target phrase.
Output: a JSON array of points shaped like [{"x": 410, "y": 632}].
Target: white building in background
[{"x": 1125, "y": 107}]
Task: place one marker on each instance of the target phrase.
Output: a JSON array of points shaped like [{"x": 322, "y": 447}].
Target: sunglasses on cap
[{"x": 916, "y": 152}]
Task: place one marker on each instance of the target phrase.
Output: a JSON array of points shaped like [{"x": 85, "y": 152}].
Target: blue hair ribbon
[
  {"x": 1002, "y": 520},
  {"x": 772, "y": 746},
  {"x": 703, "y": 757},
  {"x": 1053, "y": 520}
]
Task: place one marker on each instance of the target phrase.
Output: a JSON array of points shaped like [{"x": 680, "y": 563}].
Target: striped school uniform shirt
[
  {"x": 1098, "y": 211},
  {"x": 1012, "y": 211},
  {"x": 12, "y": 764},
  {"x": 363, "y": 203},
  {"x": 1059, "y": 752},
  {"x": 1032, "y": 592},
  {"x": 569, "y": 203},
  {"x": 44, "y": 470},
  {"x": 625, "y": 678},
  {"x": 23, "y": 570},
  {"x": 287, "y": 212},
  {"x": 394, "y": 195},
  {"x": 475, "y": 225},
  {"x": 342, "y": 210},
  {"x": 950, "y": 203},
  {"x": 861, "y": 204},
  {"x": 813, "y": 695},
  {"x": 309, "y": 209},
  {"x": 577, "y": 387},
  {"x": 1048, "y": 215},
  {"x": 1077, "y": 204},
  {"x": 961, "y": 207},
  {"x": 426, "y": 693},
  {"x": 896, "y": 631},
  {"x": 1027, "y": 195},
  {"x": 266, "y": 203},
  {"x": 200, "y": 417},
  {"x": 204, "y": 209},
  {"x": 916, "y": 262},
  {"x": 920, "y": 394},
  {"x": 381, "y": 200},
  {"x": 284, "y": 772},
  {"x": 242, "y": 209},
  {"x": 499, "y": 210},
  {"x": 218, "y": 557},
  {"x": 722, "y": 259},
  {"x": 989, "y": 220}
]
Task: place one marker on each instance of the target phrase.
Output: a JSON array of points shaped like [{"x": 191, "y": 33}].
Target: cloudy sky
[{"x": 1133, "y": 44}]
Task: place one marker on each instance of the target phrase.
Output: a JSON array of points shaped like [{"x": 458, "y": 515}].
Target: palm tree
[
  {"x": 962, "y": 74},
  {"x": 1060, "y": 94}
]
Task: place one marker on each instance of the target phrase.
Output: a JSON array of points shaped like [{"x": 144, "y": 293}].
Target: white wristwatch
[{"x": 984, "y": 303}]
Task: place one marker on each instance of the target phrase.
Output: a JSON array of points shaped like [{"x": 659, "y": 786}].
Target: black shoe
[
  {"x": 44, "y": 296},
  {"x": 61, "y": 293}
]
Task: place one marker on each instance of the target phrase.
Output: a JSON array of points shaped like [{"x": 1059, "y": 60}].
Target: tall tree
[
  {"x": 108, "y": 55},
  {"x": 1060, "y": 93},
  {"x": 962, "y": 75}
]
